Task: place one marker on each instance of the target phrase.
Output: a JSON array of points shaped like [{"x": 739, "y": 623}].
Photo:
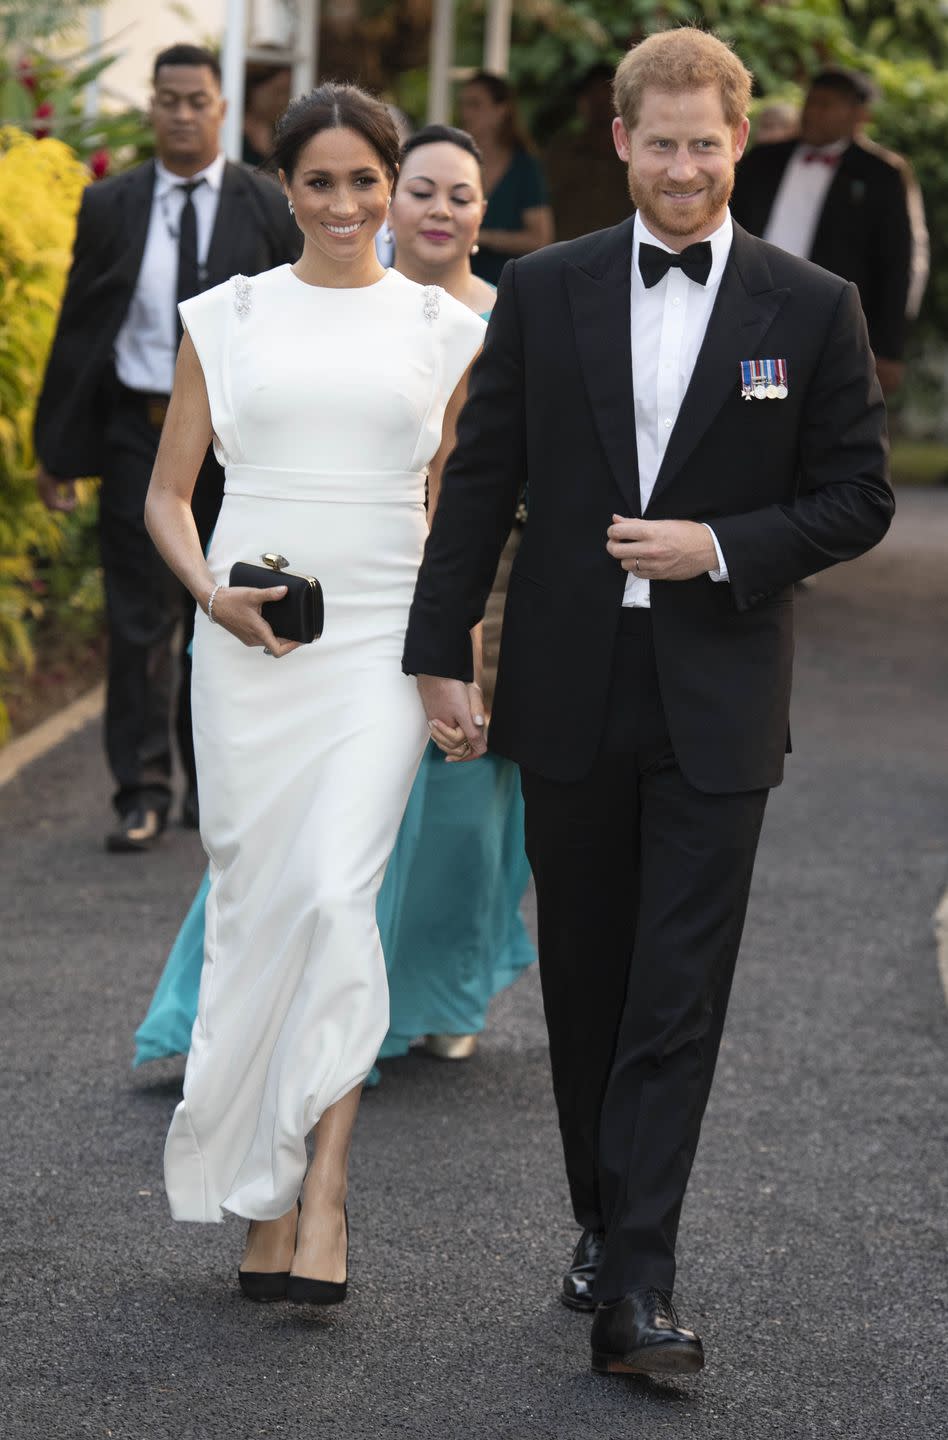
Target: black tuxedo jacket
[
  {"x": 253, "y": 231},
  {"x": 790, "y": 487},
  {"x": 864, "y": 232}
]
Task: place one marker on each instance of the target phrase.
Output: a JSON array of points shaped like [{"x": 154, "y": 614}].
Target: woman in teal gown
[{"x": 449, "y": 908}]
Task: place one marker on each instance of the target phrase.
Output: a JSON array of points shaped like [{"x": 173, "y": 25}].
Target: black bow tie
[{"x": 695, "y": 261}]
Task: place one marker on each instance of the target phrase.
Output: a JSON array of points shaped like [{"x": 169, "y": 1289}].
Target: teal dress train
[{"x": 448, "y": 913}]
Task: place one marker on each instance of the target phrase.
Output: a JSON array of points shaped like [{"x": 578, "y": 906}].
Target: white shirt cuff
[{"x": 721, "y": 572}]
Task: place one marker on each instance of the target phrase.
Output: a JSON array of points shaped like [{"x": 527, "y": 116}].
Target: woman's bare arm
[
  {"x": 449, "y": 429},
  {"x": 185, "y": 437},
  {"x": 184, "y": 440},
  {"x": 448, "y": 738}
]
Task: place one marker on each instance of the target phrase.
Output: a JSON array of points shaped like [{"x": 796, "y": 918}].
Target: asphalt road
[{"x": 813, "y": 1247}]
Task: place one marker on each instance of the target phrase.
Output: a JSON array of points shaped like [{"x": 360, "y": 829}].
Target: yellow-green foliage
[{"x": 41, "y": 182}]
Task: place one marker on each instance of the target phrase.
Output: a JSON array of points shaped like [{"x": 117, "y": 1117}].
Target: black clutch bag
[{"x": 299, "y": 615}]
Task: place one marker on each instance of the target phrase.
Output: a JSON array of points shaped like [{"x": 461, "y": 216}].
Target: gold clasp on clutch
[{"x": 275, "y": 562}]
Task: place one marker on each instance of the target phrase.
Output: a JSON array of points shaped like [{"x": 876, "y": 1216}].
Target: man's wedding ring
[
  {"x": 636, "y": 567},
  {"x": 267, "y": 650}
]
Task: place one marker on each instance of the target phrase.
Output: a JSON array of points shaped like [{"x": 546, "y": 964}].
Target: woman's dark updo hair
[
  {"x": 334, "y": 107},
  {"x": 443, "y": 135}
]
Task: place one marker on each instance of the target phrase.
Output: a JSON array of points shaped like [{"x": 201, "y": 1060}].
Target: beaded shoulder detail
[
  {"x": 432, "y": 299},
  {"x": 243, "y": 294}
]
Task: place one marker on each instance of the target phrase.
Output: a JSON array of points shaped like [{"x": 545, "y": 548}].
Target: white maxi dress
[{"x": 326, "y": 406}]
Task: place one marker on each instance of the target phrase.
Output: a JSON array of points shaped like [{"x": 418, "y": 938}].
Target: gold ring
[{"x": 636, "y": 566}]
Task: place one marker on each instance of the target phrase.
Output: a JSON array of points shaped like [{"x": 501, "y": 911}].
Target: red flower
[
  {"x": 24, "y": 73},
  {"x": 100, "y": 162},
  {"x": 42, "y": 112}
]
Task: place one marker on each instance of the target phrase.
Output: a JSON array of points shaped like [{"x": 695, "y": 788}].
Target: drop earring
[
  {"x": 475, "y": 248},
  {"x": 290, "y": 204}
]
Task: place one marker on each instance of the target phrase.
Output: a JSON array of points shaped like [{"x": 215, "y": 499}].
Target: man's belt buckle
[{"x": 156, "y": 408}]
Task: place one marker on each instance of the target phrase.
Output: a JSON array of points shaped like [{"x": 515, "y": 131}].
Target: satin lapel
[
  {"x": 744, "y": 310},
  {"x": 223, "y": 255},
  {"x": 137, "y": 196},
  {"x": 600, "y": 299}
]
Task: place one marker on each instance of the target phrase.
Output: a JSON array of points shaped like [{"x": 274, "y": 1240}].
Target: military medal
[
  {"x": 747, "y": 379},
  {"x": 764, "y": 380}
]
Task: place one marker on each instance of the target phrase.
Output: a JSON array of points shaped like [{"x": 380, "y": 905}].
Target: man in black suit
[
  {"x": 840, "y": 202},
  {"x": 144, "y": 240},
  {"x": 677, "y": 369}
]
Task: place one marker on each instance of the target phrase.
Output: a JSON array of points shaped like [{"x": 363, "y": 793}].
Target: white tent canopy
[{"x": 273, "y": 30}]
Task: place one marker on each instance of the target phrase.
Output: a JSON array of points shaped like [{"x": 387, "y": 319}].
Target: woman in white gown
[{"x": 330, "y": 389}]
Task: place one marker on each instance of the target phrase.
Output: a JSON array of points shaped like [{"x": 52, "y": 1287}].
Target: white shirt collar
[
  {"x": 720, "y": 244},
  {"x": 212, "y": 174}
]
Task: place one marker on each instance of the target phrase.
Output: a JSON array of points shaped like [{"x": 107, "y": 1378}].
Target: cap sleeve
[{"x": 208, "y": 319}]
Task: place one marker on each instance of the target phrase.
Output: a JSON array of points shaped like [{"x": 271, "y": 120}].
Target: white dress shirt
[
  {"x": 798, "y": 203},
  {"x": 668, "y": 327},
  {"x": 146, "y": 347}
]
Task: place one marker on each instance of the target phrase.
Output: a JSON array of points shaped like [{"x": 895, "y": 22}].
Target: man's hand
[
  {"x": 891, "y": 373},
  {"x": 56, "y": 494},
  {"x": 455, "y": 716},
  {"x": 662, "y": 549}
]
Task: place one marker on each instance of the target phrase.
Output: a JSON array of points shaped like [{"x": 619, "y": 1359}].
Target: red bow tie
[{"x": 820, "y": 157}]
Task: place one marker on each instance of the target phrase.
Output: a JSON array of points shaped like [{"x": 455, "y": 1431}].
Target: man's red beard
[{"x": 649, "y": 199}]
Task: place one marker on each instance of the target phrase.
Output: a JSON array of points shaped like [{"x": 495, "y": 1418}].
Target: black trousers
[
  {"x": 145, "y": 607},
  {"x": 642, "y": 885}
]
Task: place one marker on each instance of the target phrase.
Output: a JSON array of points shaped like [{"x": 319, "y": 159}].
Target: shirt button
[
  {"x": 676, "y": 301},
  {"x": 668, "y": 424}
]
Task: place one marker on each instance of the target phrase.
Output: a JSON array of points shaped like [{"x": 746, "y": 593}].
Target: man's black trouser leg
[
  {"x": 642, "y": 885},
  {"x": 144, "y": 605},
  {"x": 142, "y": 611}
]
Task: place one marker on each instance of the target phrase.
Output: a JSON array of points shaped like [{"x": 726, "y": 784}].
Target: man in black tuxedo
[
  {"x": 145, "y": 240},
  {"x": 835, "y": 199},
  {"x": 677, "y": 369}
]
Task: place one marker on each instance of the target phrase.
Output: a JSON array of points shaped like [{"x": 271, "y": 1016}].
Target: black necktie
[
  {"x": 189, "y": 276},
  {"x": 695, "y": 262}
]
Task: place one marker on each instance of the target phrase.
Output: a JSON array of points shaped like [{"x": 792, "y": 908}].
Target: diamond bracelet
[{"x": 210, "y": 603}]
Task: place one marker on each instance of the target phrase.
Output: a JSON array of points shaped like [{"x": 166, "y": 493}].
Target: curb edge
[{"x": 44, "y": 737}]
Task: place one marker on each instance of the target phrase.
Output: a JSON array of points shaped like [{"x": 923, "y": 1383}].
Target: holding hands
[
  {"x": 238, "y": 608},
  {"x": 662, "y": 549},
  {"x": 455, "y": 713}
]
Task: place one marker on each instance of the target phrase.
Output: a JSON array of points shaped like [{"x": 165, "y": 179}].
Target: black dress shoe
[
  {"x": 138, "y": 830},
  {"x": 640, "y": 1335},
  {"x": 581, "y": 1276},
  {"x": 190, "y": 814},
  {"x": 300, "y": 1290}
]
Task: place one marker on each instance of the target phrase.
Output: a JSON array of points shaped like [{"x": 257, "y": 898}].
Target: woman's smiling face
[
  {"x": 438, "y": 206},
  {"x": 340, "y": 192}
]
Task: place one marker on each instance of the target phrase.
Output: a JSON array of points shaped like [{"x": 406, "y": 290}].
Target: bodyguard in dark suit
[
  {"x": 144, "y": 240},
  {"x": 677, "y": 369},
  {"x": 841, "y": 203}
]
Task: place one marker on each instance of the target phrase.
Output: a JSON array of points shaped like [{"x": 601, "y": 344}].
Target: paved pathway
[{"x": 813, "y": 1246}]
